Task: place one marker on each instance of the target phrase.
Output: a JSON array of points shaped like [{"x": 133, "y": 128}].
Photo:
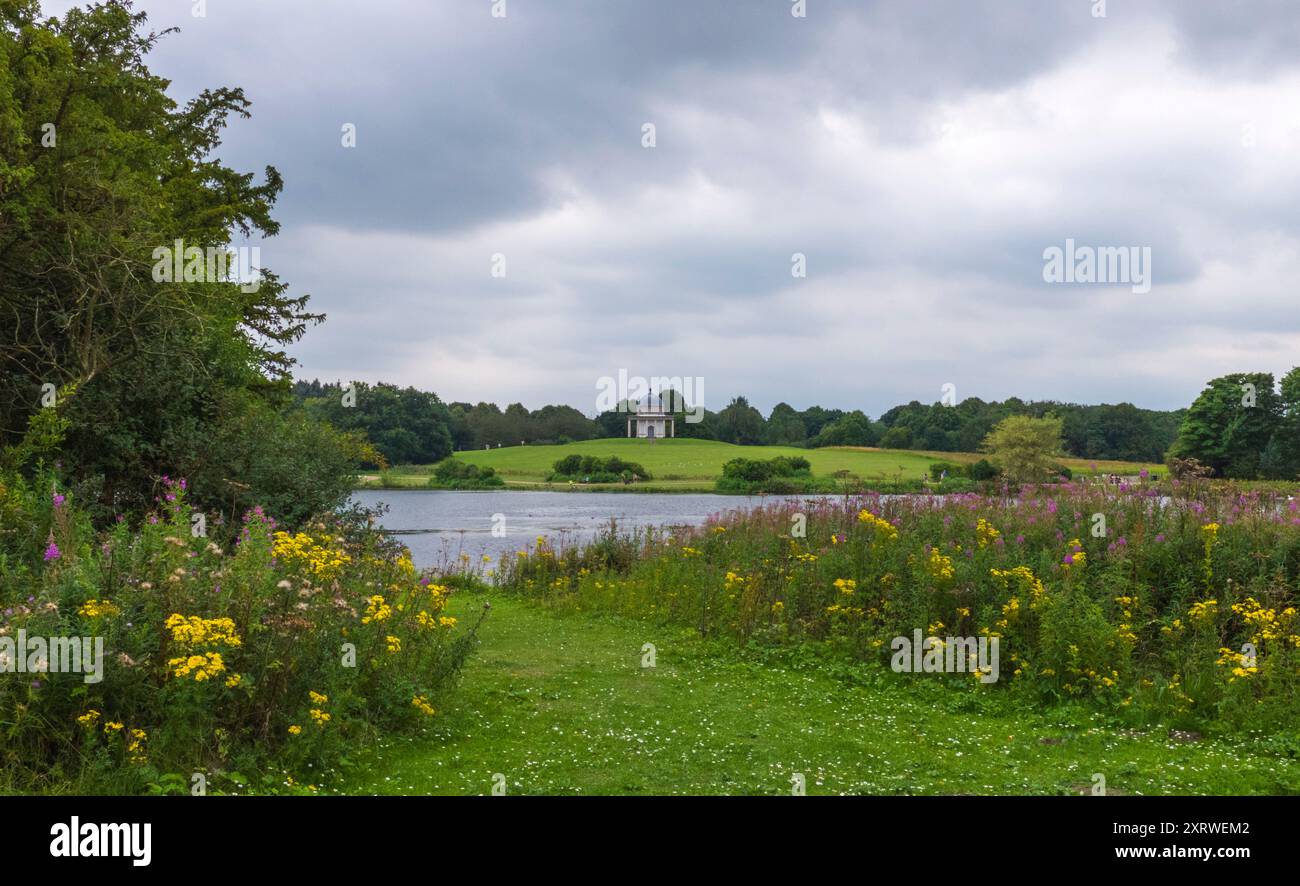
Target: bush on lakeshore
[
  {"x": 594, "y": 469},
  {"x": 777, "y": 476},
  {"x": 456, "y": 474}
]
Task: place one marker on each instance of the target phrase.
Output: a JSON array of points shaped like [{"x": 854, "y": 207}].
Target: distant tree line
[
  {"x": 1121, "y": 431},
  {"x": 409, "y": 426}
]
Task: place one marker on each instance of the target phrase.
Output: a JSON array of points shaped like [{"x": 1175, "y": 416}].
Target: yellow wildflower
[{"x": 98, "y": 609}]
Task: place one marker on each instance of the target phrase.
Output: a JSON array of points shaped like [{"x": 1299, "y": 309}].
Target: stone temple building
[{"x": 651, "y": 420}]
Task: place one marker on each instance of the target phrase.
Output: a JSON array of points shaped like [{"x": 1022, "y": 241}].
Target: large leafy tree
[
  {"x": 1281, "y": 458},
  {"x": 740, "y": 423},
  {"x": 1231, "y": 423},
  {"x": 557, "y": 424},
  {"x": 815, "y": 418},
  {"x": 99, "y": 167},
  {"x": 406, "y": 425},
  {"x": 785, "y": 428},
  {"x": 854, "y": 429}
]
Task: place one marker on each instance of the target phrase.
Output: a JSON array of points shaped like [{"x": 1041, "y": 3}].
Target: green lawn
[
  {"x": 682, "y": 464},
  {"x": 694, "y": 460},
  {"x": 559, "y": 704}
]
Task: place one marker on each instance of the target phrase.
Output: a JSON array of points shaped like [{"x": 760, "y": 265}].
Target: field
[
  {"x": 559, "y": 704},
  {"x": 683, "y": 465}
]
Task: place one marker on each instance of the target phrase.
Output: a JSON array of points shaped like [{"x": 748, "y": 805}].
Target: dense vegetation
[
  {"x": 1182, "y": 614},
  {"x": 1242, "y": 426},
  {"x": 255, "y": 658},
  {"x": 594, "y": 469},
  {"x": 119, "y": 377},
  {"x": 233, "y": 625},
  {"x": 406, "y": 426},
  {"x": 455, "y": 474},
  {"x": 1120, "y": 432},
  {"x": 1116, "y": 432},
  {"x": 774, "y": 475}
]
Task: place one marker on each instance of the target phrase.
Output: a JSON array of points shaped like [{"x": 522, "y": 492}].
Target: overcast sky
[{"x": 922, "y": 155}]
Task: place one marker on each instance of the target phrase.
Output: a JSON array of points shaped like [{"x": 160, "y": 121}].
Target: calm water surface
[{"x": 438, "y": 526}]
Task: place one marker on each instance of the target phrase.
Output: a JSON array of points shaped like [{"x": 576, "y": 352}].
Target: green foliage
[
  {"x": 854, "y": 429},
  {"x": 1145, "y": 626},
  {"x": 406, "y": 425},
  {"x": 897, "y": 438},
  {"x": 1119, "y": 431},
  {"x": 939, "y": 468},
  {"x": 223, "y": 637},
  {"x": 1231, "y": 424},
  {"x": 739, "y": 423},
  {"x": 785, "y": 427},
  {"x": 152, "y": 377},
  {"x": 783, "y": 474},
  {"x": 290, "y": 464},
  {"x": 1024, "y": 448},
  {"x": 454, "y": 474},
  {"x": 594, "y": 469},
  {"x": 1107, "y": 431},
  {"x": 216, "y": 650},
  {"x": 485, "y": 425},
  {"x": 752, "y": 470}
]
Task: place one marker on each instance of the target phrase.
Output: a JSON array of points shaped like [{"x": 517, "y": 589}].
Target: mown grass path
[{"x": 559, "y": 704}]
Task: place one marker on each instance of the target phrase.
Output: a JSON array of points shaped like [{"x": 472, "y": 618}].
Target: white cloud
[{"x": 920, "y": 172}]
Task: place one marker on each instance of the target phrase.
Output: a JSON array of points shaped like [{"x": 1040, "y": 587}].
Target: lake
[{"x": 438, "y": 526}]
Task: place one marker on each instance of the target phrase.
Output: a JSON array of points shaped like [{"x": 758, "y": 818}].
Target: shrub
[
  {"x": 780, "y": 475},
  {"x": 756, "y": 470},
  {"x": 569, "y": 466},
  {"x": 952, "y": 469},
  {"x": 594, "y": 469},
  {"x": 1024, "y": 448},
  {"x": 453, "y": 473},
  {"x": 253, "y": 650}
]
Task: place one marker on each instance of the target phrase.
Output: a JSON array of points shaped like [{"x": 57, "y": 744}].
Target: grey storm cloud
[{"x": 920, "y": 154}]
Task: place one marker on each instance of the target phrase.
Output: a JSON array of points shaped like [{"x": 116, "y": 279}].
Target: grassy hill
[{"x": 681, "y": 465}]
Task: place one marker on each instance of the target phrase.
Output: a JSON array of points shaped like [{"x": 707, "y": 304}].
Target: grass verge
[{"x": 559, "y": 704}]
